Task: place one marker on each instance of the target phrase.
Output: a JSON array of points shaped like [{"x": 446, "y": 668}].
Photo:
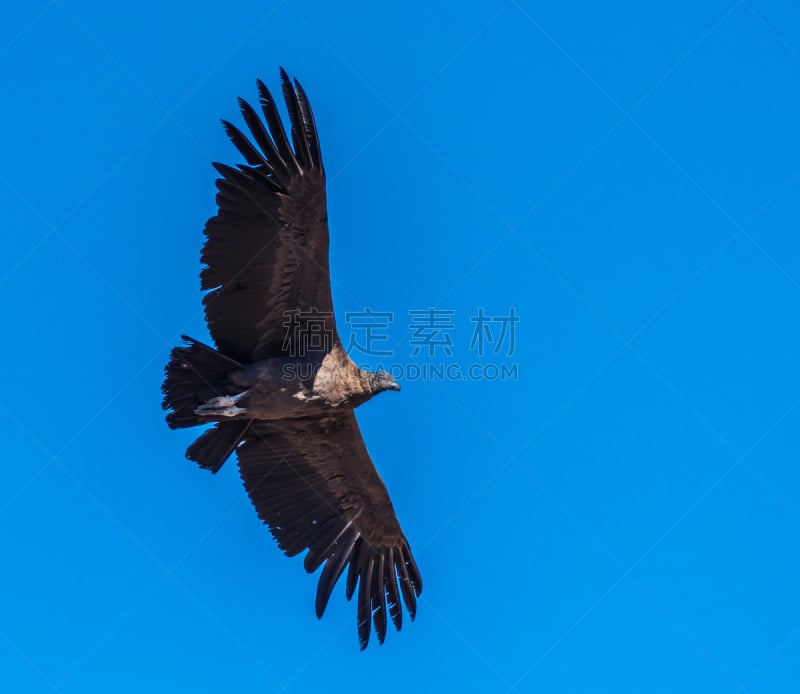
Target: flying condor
[{"x": 279, "y": 389}]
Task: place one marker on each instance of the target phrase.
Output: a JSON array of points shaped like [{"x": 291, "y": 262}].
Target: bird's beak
[{"x": 395, "y": 386}]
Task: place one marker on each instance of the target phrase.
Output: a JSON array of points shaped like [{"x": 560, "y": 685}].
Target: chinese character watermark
[
  {"x": 371, "y": 327},
  {"x": 483, "y": 336},
  {"x": 307, "y": 331},
  {"x": 431, "y": 342},
  {"x": 429, "y": 328}
]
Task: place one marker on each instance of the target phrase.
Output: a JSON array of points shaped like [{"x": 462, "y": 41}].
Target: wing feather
[
  {"x": 266, "y": 251},
  {"x": 313, "y": 483},
  {"x": 378, "y": 589},
  {"x": 364, "y": 607},
  {"x": 264, "y": 141},
  {"x": 337, "y": 561},
  {"x": 330, "y": 534},
  {"x": 309, "y": 124},
  {"x": 352, "y": 572},
  {"x": 392, "y": 593},
  {"x": 250, "y": 153},
  {"x": 299, "y": 134},
  {"x": 270, "y": 111},
  {"x": 407, "y": 588}
]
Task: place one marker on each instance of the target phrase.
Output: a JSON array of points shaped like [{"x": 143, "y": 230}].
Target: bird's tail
[
  {"x": 214, "y": 447},
  {"x": 191, "y": 378}
]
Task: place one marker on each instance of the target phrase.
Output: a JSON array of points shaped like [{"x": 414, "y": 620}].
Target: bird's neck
[{"x": 344, "y": 380}]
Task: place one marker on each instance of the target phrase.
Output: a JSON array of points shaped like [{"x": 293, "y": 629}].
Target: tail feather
[
  {"x": 194, "y": 374},
  {"x": 192, "y": 377},
  {"x": 214, "y": 447}
]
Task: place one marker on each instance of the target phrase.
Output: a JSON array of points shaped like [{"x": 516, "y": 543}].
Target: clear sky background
[{"x": 624, "y": 517}]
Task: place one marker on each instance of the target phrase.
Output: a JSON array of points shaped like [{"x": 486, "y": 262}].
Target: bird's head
[{"x": 382, "y": 380}]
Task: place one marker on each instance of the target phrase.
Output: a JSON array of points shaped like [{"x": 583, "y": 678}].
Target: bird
[{"x": 278, "y": 387}]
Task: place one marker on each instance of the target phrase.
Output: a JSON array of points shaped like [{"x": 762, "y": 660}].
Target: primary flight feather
[{"x": 279, "y": 388}]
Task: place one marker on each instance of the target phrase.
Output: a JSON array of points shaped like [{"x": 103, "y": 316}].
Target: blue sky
[{"x": 623, "y": 517}]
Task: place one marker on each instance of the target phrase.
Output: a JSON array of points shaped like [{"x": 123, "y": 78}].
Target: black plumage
[{"x": 288, "y": 409}]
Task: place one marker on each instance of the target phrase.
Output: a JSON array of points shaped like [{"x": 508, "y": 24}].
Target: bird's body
[
  {"x": 291, "y": 387},
  {"x": 278, "y": 388}
]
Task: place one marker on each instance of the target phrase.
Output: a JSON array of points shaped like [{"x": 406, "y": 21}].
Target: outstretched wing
[
  {"x": 266, "y": 250},
  {"x": 313, "y": 483}
]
